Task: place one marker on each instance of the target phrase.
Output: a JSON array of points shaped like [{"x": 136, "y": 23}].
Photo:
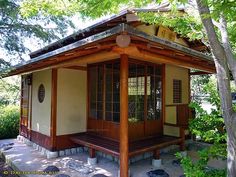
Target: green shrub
[
  {"x": 9, "y": 121},
  {"x": 210, "y": 128}
]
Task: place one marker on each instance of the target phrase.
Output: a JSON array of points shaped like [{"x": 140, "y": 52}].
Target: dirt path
[{"x": 5, "y": 170}]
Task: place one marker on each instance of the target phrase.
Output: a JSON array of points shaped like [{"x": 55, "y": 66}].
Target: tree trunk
[
  {"x": 223, "y": 80},
  {"x": 231, "y": 150}
]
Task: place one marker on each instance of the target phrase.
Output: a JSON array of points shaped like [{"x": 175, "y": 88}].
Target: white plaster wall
[
  {"x": 71, "y": 101},
  {"x": 41, "y": 112},
  {"x": 174, "y": 72}
]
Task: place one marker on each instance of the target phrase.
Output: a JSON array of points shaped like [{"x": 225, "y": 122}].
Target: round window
[{"x": 41, "y": 93}]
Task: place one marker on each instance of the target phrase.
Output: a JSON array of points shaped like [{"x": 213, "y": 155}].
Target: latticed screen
[
  {"x": 177, "y": 91},
  {"x": 136, "y": 91},
  {"x": 154, "y": 92},
  {"x": 144, "y": 91},
  {"x": 104, "y": 91},
  {"x": 144, "y": 86}
]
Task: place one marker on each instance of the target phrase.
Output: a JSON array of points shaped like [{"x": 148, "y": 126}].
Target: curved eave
[{"x": 94, "y": 39}]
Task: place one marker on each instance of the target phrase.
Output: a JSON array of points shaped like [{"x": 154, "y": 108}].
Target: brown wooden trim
[
  {"x": 156, "y": 154},
  {"x": 163, "y": 97},
  {"x": 31, "y": 104},
  {"x": 182, "y": 135},
  {"x": 65, "y": 142},
  {"x": 104, "y": 93},
  {"x": 92, "y": 153},
  {"x": 124, "y": 137},
  {"x": 172, "y": 125},
  {"x": 23, "y": 131},
  {"x": 21, "y": 94},
  {"x": 145, "y": 54},
  {"x": 145, "y": 102},
  {"x": 109, "y": 146},
  {"x": 83, "y": 68},
  {"x": 53, "y": 127},
  {"x": 88, "y": 99},
  {"x": 189, "y": 86},
  {"x": 41, "y": 139},
  {"x": 176, "y": 104},
  {"x": 198, "y": 73}
]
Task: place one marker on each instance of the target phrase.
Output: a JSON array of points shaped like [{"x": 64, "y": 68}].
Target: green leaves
[
  {"x": 16, "y": 28},
  {"x": 9, "y": 121}
]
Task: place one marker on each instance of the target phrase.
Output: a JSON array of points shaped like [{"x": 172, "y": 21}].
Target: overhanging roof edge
[
  {"x": 80, "y": 43},
  {"x": 108, "y": 33},
  {"x": 164, "y": 42}
]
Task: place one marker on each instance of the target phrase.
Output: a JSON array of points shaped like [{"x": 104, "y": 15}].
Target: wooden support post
[
  {"x": 156, "y": 154},
  {"x": 182, "y": 135},
  {"x": 124, "y": 141},
  {"x": 53, "y": 127},
  {"x": 92, "y": 153}
]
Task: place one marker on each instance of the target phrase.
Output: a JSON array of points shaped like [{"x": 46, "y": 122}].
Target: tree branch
[
  {"x": 220, "y": 62},
  {"x": 227, "y": 47}
]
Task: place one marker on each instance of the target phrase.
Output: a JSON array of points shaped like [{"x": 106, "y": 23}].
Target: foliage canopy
[{"x": 16, "y": 28}]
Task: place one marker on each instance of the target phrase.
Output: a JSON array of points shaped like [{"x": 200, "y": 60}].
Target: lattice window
[
  {"x": 104, "y": 91},
  {"x": 177, "y": 91}
]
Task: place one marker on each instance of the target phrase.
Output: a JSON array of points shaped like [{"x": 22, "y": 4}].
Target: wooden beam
[
  {"x": 198, "y": 73},
  {"x": 146, "y": 55},
  {"x": 53, "y": 126},
  {"x": 83, "y": 68},
  {"x": 77, "y": 61},
  {"x": 124, "y": 138}
]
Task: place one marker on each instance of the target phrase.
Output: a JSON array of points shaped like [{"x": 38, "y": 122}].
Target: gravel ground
[{"x": 5, "y": 170}]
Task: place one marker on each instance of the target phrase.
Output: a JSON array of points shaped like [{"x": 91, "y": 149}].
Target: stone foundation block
[
  {"x": 61, "y": 153},
  {"x": 156, "y": 163},
  {"x": 73, "y": 151},
  {"x": 79, "y": 149},
  {"x": 51, "y": 155},
  {"x": 68, "y": 152},
  {"x": 92, "y": 161},
  {"x": 43, "y": 151}
]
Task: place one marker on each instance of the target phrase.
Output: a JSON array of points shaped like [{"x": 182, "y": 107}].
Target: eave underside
[{"x": 103, "y": 47}]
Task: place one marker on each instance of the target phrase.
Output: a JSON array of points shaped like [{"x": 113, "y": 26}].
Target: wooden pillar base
[
  {"x": 92, "y": 153},
  {"x": 182, "y": 135},
  {"x": 156, "y": 154}
]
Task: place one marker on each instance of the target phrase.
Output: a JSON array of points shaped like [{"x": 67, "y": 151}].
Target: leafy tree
[
  {"x": 197, "y": 90},
  {"x": 16, "y": 28},
  {"x": 10, "y": 91},
  {"x": 218, "y": 19},
  {"x": 209, "y": 127}
]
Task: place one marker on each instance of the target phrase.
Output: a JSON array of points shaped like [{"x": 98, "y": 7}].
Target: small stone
[
  {"x": 157, "y": 173},
  {"x": 10, "y": 144},
  {"x": 62, "y": 175},
  {"x": 51, "y": 169},
  {"x": 6, "y": 148},
  {"x": 176, "y": 163},
  {"x": 85, "y": 170},
  {"x": 99, "y": 175}
]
